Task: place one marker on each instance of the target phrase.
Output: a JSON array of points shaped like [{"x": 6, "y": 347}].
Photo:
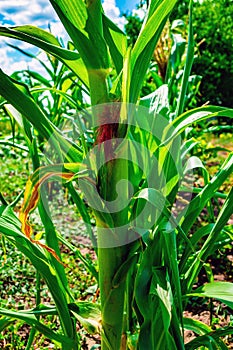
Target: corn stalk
[{"x": 88, "y": 29}]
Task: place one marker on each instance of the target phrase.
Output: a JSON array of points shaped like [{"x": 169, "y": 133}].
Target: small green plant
[{"x": 131, "y": 174}]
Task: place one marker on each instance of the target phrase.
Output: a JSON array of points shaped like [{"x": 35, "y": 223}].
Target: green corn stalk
[{"x": 110, "y": 259}]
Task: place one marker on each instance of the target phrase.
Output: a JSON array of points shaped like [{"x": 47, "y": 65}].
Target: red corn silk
[{"x": 108, "y": 129}]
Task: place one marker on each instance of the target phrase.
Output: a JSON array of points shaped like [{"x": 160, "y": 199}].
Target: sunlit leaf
[{"x": 222, "y": 291}]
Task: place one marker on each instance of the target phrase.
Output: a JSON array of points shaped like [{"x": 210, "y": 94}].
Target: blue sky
[
  {"x": 125, "y": 5},
  {"x": 41, "y": 13}
]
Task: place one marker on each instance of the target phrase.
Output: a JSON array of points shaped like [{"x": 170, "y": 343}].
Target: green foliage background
[{"x": 213, "y": 25}]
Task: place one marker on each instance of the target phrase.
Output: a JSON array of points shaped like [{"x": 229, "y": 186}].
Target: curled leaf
[{"x": 32, "y": 195}]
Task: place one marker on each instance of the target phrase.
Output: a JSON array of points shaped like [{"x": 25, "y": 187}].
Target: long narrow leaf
[
  {"x": 195, "y": 115},
  {"x": 208, "y": 247},
  {"x": 198, "y": 203},
  {"x": 211, "y": 338},
  {"x": 32, "y": 321},
  {"x": 10, "y": 228},
  {"x": 188, "y": 66},
  {"x": 117, "y": 42},
  {"x": 146, "y": 42},
  {"x": 29, "y": 109},
  {"x": 222, "y": 291},
  {"x": 47, "y": 42},
  {"x": 84, "y": 32}
]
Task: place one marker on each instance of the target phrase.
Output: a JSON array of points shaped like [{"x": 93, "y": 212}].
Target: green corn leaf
[
  {"x": 157, "y": 101},
  {"x": 210, "y": 340},
  {"x": 199, "y": 202},
  {"x": 89, "y": 42},
  {"x": 85, "y": 30},
  {"x": 153, "y": 199},
  {"x": 157, "y": 12},
  {"x": 117, "y": 42},
  {"x": 90, "y": 266},
  {"x": 10, "y": 227},
  {"x": 32, "y": 321},
  {"x": 157, "y": 295},
  {"x": 39, "y": 78},
  {"x": 75, "y": 11},
  {"x": 224, "y": 237},
  {"x": 209, "y": 245},
  {"x": 125, "y": 84},
  {"x": 187, "y": 146},
  {"x": 84, "y": 214},
  {"x": 170, "y": 168},
  {"x": 39, "y": 37},
  {"x": 222, "y": 291},
  {"x": 23, "y": 102},
  {"x": 74, "y": 103},
  {"x": 189, "y": 255},
  {"x": 122, "y": 272},
  {"x": 194, "y": 162},
  {"x": 146, "y": 42},
  {"x": 88, "y": 314},
  {"x": 13, "y": 144},
  {"x": 22, "y": 123},
  {"x": 160, "y": 287},
  {"x": 30, "y": 55},
  {"x": 188, "y": 66},
  {"x": 5, "y": 322},
  {"x": 156, "y": 205},
  {"x": 175, "y": 60},
  {"x": 42, "y": 309},
  {"x": 47, "y": 42},
  {"x": 170, "y": 259},
  {"x": 195, "y": 115},
  {"x": 154, "y": 334},
  {"x": 196, "y": 326}
]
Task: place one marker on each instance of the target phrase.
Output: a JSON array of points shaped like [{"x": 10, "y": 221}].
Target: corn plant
[{"x": 131, "y": 174}]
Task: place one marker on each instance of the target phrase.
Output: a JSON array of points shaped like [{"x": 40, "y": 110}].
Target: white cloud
[
  {"x": 113, "y": 12},
  {"x": 27, "y": 11},
  {"x": 8, "y": 62},
  {"x": 40, "y": 12},
  {"x": 19, "y": 12},
  {"x": 58, "y": 30},
  {"x": 12, "y": 60},
  {"x": 140, "y": 12}
]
